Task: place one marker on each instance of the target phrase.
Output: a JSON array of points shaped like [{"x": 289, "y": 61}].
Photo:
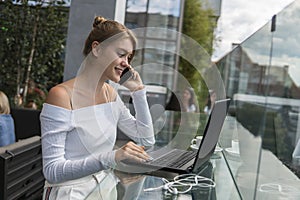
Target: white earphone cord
[{"x": 184, "y": 180}]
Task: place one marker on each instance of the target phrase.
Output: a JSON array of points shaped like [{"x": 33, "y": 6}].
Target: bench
[{"x": 21, "y": 174}]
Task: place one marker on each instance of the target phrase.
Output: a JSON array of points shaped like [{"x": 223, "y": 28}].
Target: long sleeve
[
  {"x": 140, "y": 127},
  {"x": 56, "y": 124}
]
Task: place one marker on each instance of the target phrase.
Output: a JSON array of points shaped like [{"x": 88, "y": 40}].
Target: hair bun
[{"x": 99, "y": 20}]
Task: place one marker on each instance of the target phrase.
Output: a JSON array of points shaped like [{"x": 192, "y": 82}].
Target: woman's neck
[{"x": 91, "y": 76}]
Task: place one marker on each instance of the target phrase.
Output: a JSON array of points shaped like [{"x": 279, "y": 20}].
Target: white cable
[
  {"x": 195, "y": 180},
  {"x": 278, "y": 188},
  {"x": 165, "y": 186},
  {"x": 184, "y": 180}
]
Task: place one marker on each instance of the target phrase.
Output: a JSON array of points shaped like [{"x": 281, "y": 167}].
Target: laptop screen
[{"x": 211, "y": 133}]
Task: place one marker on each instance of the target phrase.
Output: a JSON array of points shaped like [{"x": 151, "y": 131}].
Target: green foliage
[
  {"x": 18, "y": 42},
  {"x": 199, "y": 25}
]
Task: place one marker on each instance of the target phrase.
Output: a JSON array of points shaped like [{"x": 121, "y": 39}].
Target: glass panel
[
  {"x": 164, "y": 15},
  {"x": 151, "y": 13},
  {"x": 168, "y": 7},
  {"x": 261, "y": 134},
  {"x": 154, "y": 73},
  {"x": 136, "y": 14},
  {"x": 284, "y": 100},
  {"x": 136, "y": 6},
  {"x": 241, "y": 136},
  {"x": 160, "y": 52},
  {"x": 161, "y": 71}
]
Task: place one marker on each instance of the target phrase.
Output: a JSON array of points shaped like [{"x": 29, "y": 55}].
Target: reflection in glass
[
  {"x": 136, "y": 6},
  {"x": 164, "y": 15},
  {"x": 261, "y": 75},
  {"x": 152, "y": 13},
  {"x": 168, "y": 7},
  {"x": 160, "y": 52},
  {"x": 157, "y": 45}
]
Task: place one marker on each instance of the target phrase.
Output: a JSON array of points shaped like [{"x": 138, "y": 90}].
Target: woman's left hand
[{"x": 135, "y": 82}]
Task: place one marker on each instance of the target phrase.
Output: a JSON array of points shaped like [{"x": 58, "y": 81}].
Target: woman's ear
[{"x": 95, "y": 48}]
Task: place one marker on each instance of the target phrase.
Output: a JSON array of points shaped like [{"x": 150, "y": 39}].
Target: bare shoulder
[{"x": 59, "y": 96}]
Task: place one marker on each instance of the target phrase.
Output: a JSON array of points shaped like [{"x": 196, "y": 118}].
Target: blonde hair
[
  {"x": 104, "y": 29},
  {"x": 4, "y": 104}
]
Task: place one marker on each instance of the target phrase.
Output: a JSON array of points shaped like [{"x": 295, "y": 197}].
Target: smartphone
[{"x": 126, "y": 74}]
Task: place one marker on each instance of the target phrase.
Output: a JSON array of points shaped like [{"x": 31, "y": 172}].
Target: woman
[
  {"x": 80, "y": 116},
  {"x": 7, "y": 126},
  {"x": 188, "y": 100},
  {"x": 211, "y": 99}
]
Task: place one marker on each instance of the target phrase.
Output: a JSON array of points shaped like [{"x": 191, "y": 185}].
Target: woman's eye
[
  {"x": 125, "y": 54},
  {"x": 121, "y": 54}
]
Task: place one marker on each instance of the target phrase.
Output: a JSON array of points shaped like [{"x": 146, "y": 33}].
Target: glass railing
[{"x": 261, "y": 136}]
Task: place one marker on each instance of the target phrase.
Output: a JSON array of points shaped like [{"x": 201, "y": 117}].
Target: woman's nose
[{"x": 125, "y": 63}]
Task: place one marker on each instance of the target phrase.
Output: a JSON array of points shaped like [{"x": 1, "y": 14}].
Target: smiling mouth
[{"x": 119, "y": 70}]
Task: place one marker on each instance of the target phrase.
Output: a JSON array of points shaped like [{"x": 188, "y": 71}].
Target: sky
[
  {"x": 240, "y": 19},
  {"x": 171, "y": 7}
]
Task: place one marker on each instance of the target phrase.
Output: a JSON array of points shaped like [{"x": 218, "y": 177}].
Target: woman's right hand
[
  {"x": 135, "y": 82},
  {"x": 132, "y": 151}
]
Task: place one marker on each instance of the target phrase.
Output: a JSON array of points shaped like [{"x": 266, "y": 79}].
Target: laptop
[{"x": 185, "y": 161}]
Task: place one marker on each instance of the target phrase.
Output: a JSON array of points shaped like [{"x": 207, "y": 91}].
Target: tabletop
[{"x": 150, "y": 185}]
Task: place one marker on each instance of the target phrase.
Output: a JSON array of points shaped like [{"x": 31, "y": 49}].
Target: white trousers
[{"x": 97, "y": 186}]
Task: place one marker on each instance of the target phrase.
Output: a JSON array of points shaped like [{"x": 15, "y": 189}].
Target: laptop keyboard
[{"x": 176, "y": 158}]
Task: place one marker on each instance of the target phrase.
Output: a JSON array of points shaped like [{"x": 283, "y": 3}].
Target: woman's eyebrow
[{"x": 125, "y": 50}]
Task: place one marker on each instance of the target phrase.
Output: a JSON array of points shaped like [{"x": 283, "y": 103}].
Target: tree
[
  {"x": 199, "y": 25},
  {"x": 33, "y": 37}
]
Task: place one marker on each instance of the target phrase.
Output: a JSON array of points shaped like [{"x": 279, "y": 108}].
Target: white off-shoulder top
[{"x": 77, "y": 143}]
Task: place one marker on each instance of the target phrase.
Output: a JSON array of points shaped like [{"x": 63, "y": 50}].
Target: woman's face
[
  {"x": 186, "y": 94},
  {"x": 213, "y": 97},
  {"x": 116, "y": 57}
]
